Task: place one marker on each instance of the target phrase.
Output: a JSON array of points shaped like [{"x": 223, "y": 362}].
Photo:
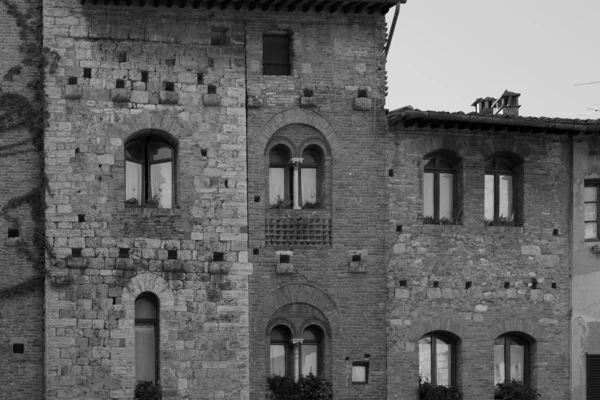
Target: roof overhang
[{"x": 321, "y": 6}]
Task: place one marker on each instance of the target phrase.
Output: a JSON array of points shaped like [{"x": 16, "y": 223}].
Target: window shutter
[{"x": 593, "y": 376}]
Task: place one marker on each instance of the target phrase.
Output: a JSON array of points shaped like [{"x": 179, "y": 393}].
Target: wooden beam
[
  {"x": 293, "y": 6},
  {"x": 182, "y": 3},
  {"x": 334, "y": 6},
  {"x": 280, "y": 5},
  {"x": 267, "y": 4},
  {"x": 225, "y": 4},
  {"x": 373, "y": 8},
  {"x": 348, "y": 7},
  {"x": 239, "y": 4},
  {"x": 156, "y": 3},
  {"x": 321, "y": 5},
  {"x": 385, "y": 9},
  {"x": 253, "y": 5},
  {"x": 117, "y": 2},
  {"x": 308, "y": 5},
  {"x": 359, "y": 8},
  {"x": 169, "y": 3},
  {"x": 196, "y": 3},
  {"x": 211, "y": 4}
]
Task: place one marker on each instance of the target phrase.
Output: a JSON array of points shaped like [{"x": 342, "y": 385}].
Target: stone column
[
  {"x": 296, "y": 161},
  {"x": 296, "y": 364}
]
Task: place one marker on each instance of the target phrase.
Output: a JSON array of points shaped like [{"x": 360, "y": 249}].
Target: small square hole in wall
[
  {"x": 81, "y": 217},
  {"x": 506, "y": 285},
  {"x": 226, "y": 183},
  {"x": 554, "y": 232},
  {"x": 218, "y": 37},
  {"x": 218, "y": 256},
  {"x": 360, "y": 372},
  {"x": 212, "y": 89},
  {"x": 13, "y": 233},
  {"x": 284, "y": 258},
  {"x": 403, "y": 283},
  {"x": 204, "y": 152},
  {"x": 120, "y": 84},
  {"x": 87, "y": 73},
  {"x": 172, "y": 254},
  {"x": 200, "y": 78},
  {"x": 390, "y": 172},
  {"x": 170, "y": 62},
  {"x": 123, "y": 252},
  {"x": 436, "y": 284},
  {"x": 122, "y": 57},
  {"x": 356, "y": 257},
  {"x": 468, "y": 284},
  {"x": 144, "y": 76},
  {"x": 553, "y": 285},
  {"x": 75, "y": 252},
  {"x": 398, "y": 228},
  {"x": 72, "y": 80},
  {"x": 257, "y": 199},
  {"x": 534, "y": 283},
  {"x": 255, "y": 252},
  {"x": 18, "y": 348},
  {"x": 169, "y": 86}
]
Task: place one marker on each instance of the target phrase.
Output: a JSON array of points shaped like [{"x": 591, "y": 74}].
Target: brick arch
[
  {"x": 297, "y": 293},
  {"x": 280, "y": 321},
  {"x": 454, "y": 327},
  {"x": 139, "y": 123},
  {"x": 147, "y": 282},
  {"x": 517, "y": 146},
  {"x": 303, "y": 117},
  {"x": 517, "y": 325},
  {"x": 430, "y": 144}
]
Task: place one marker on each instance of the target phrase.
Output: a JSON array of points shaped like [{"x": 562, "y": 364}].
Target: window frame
[
  {"x": 592, "y": 183},
  {"x": 438, "y": 157},
  {"x": 452, "y": 343},
  {"x": 271, "y": 68},
  {"x": 288, "y": 181},
  {"x": 319, "y": 154},
  {"x": 146, "y": 164},
  {"x": 156, "y": 323},
  {"x": 364, "y": 364},
  {"x": 318, "y": 332},
  {"x": 507, "y": 337},
  {"x": 497, "y": 172}
]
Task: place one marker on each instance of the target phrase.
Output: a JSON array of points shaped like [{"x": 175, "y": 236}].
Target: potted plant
[
  {"x": 154, "y": 201},
  {"x": 362, "y": 102},
  {"x": 309, "y": 387},
  {"x": 280, "y": 204},
  {"x": 147, "y": 390},
  {"x": 132, "y": 201},
  {"x": 307, "y": 100},
  {"x": 501, "y": 221},
  {"x": 311, "y": 205},
  {"x": 427, "y": 391},
  {"x": 515, "y": 390}
]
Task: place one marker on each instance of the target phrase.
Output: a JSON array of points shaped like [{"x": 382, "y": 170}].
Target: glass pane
[
  {"x": 428, "y": 195},
  {"x": 499, "y": 361},
  {"x": 161, "y": 184},
  {"x": 309, "y": 359},
  {"x": 135, "y": 151},
  {"x": 278, "y": 361},
  {"x": 590, "y": 193},
  {"x": 489, "y": 197},
  {"x": 446, "y": 195},
  {"x": 425, "y": 359},
  {"x": 359, "y": 373},
  {"x": 517, "y": 361},
  {"x": 591, "y": 230},
  {"x": 159, "y": 152},
  {"x": 145, "y": 308},
  {"x": 443, "y": 362},
  {"x": 590, "y": 211},
  {"x": 133, "y": 183},
  {"x": 506, "y": 196},
  {"x": 276, "y": 184},
  {"x": 309, "y": 185},
  {"x": 145, "y": 349}
]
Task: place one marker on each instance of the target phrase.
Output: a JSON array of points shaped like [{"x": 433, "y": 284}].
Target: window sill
[
  {"x": 147, "y": 210},
  {"x": 506, "y": 228},
  {"x": 441, "y": 227}
]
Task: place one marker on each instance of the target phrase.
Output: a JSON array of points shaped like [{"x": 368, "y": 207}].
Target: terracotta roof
[
  {"x": 329, "y": 6},
  {"x": 408, "y": 116}
]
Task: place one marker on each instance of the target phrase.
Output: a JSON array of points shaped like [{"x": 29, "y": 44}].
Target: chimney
[
  {"x": 483, "y": 106},
  {"x": 508, "y": 103}
]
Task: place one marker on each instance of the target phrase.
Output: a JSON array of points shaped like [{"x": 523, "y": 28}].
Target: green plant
[
  {"x": 280, "y": 203},
  {"x": 309, "y": 387},
  {"x": 310, "y": 205},
  {"x": 516, "y": 390},
  {"x": 429, "y": 220},
  {"x": 500, "y": 221},
  {"x": 307, "y": 92},
  {"x": 147, "y": 390},
  {"x": 427, "y": 391},
  {"x": 132, "y": 200}
]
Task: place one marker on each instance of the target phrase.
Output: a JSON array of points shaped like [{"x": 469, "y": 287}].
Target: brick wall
[
  {"x": 21, "y": 291},
  {"x": 429, "y": 265}
]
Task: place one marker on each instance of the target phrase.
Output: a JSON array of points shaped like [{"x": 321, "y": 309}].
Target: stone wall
[
  {"x": 334, "y": 55},
  {"x": 477, "y": 282},
  {"x": 21, "y": 209},
  {"x": 174, "y": 253}
]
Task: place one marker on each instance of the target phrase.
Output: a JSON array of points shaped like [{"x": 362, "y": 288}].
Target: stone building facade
[{"x": 225, "y": 197}]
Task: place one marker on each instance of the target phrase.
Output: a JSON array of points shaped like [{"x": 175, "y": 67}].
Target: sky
[{"x": 447, "y": 53}]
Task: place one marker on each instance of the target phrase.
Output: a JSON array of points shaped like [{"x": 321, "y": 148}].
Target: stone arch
[
  {"x": 517, "y": 325},
  {"x": 297, "y": 293},
  {"x": 147, "y": 122},
  {"x": 451, "y": 326},
  {"x": 430, "y": 144},
  {"x": 280, "y": 321},
  {"x": 148, "y": 282},
  {"x": 299, "y": 116},
  {"x": 280, "y": 140}
]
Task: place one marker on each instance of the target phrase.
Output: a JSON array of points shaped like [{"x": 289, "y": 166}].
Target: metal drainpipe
[{"x": 396, "y": 12}]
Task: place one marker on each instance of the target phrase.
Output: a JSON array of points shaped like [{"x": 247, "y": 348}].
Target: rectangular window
[
  {"x": 277, "y": 55},
  {"x": 309, "y": 186},
  {"x": 499, "y": 196},
  {"x": 276, "y": 184},
  {"x": 590, "y": 205},
  {"x": 145, "y": 352},
  {"x": 593, "y": 376},
  {"x": 218, "y": 37},
  {"x": 360, "y": 372}
]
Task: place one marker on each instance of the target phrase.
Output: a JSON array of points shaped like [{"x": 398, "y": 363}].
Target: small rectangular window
[
  {"x": 360, "y": 372},
  {"x": 593, "y": 376},
  {"x": 277, "y": 55},
  {"x": 590, "y": 209},
  {"x": 218, "y": 37}
]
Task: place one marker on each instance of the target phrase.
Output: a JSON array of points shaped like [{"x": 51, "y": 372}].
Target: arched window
[
  {"x": 501, "y": 188},
  {"x": 310, "y": 357},
  {"x": 511, "y": 359},
  {"x": 279, "y": 177},
  {"x": 146, "y": 338},
  {"x": 280, "y": 349},
  {"x": 149, "y": 172},
  {"x": 440, "y": 186},
  {"x": 311, "y": 172},
  {"x": 437, "y": 359}
]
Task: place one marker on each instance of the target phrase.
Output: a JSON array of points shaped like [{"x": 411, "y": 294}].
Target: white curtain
[
  {"x": 278, "y": 359},
  {"x": 133, "y": 181},
  {"x": 425, "y": 358},
  {"x": 359, "y": 373},
  {"x": 446, "y": 195},
  {"x": 145, "y": 353},
  {"x": 161, "y": 184},
  {"x": 309, "y": 185},
  {"x": 489, "y": 197},
  {"x": 276, "y": 184},
  {"x": 499, "y": 363},
  {"x": 309, "y": 359},
  {"x": 428, "y": 195},
  {"x": 506, "y": 196}
]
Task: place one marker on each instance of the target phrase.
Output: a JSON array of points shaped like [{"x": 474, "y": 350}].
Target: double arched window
[
  {"x": 149, "y": 172},
  {"x": 296, "y": 357},
  {"x": 502, "y": 179},
  {"x": 437, "y": 359},
  {"x": 146, "y": 338}
]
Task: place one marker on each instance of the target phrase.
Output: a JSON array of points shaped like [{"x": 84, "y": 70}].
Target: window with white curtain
[
  {"x": 500, "y": 188},
  {"x": 146, "y": 338},
  {"x": 440, "y": 187},
  {"x": 149, "y": 172},
  {"x": 511, "y": 359},
  {"x": 437, "y": 359}
]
